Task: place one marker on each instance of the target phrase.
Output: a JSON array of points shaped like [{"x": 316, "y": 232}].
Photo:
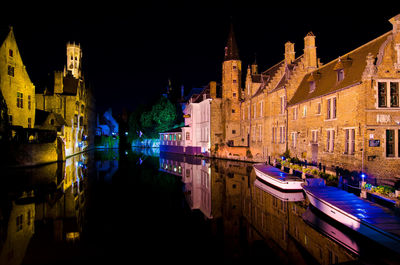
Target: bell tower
[{"x": 74, "y": 59}]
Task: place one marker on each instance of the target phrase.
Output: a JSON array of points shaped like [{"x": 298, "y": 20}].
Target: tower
[
  {"x": 74, "y": 59},
  {"x": 231, "y": 90},
  {"x": 231, "y": 69}
]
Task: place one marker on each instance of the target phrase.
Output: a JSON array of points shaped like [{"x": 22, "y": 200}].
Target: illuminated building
[
  {"x": 16, "y": 86},
  {"x": 348, "y": 110},
  {"x": 67, "y": 95},
  {"x": 342, "y": 114}
]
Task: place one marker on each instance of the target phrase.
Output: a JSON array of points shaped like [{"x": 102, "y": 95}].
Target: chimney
[
  {"x": 213, "y": 89},
  {"x": 289, "y": 52},
  {"x": 310, "y": 52}
]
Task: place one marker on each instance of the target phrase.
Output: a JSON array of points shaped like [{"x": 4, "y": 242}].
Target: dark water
[{"x": 137, "y": 207}]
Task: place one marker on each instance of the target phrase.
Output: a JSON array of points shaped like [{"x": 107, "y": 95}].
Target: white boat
[
  {"x": 360, "y": 215},
  {"x": 278, "y": 178}
]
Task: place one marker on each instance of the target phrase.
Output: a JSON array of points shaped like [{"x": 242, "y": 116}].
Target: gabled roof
[
  {"x": 268, "y": 75},
  {"x": 325, "y": 77}
]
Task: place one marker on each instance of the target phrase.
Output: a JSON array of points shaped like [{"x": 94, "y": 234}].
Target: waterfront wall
[
  {"x": 31, "y": 154},
  {"x": 146, "y": 143}
]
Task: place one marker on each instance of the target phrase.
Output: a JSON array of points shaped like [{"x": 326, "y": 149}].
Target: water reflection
[
  {"x": 84, "y": 210},
  {"x": 244, "y": 209},
  {"x": 41, "y": 206}
]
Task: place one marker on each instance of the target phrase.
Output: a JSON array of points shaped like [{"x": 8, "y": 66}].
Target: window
[
  {"x": 234, "y": 95},
  {"x": 294, "y": 139},
  {"x": 340, "y": 75},
  {"x": 19, "y": 220},
  {"x": 282, "y": 134},
  {"x": 283, "y": 104},
  {"x": 349, "y": 146},
  {"x": 295, "y": 113},
  {"x": 234, "y": 81},
  {"x": 314, "y": 136},
  {"x": 10, "y": 70},
  {"x": 390, "y": 143},
  {"x": 388, "y": 98},
  {"x": 179, "y": 136},
  {"x": 29, "y": 122},
  {"x": 187, "y": 135},
  {"x": 234, "y": 67},
  {"x": 260, "y": 133},
  {"x": 20, "y": 100},
  {"x": 318, "y": 108},
  {"x": 29, "y": 102},
  {"x": 233, "y": 111},
  {"x": 381, "y": 94},
  {"x": 261, "y": 108},
  {"x": 10, "y": 53},
  {"x": 233, "y": 131},
  {"x": 331, "y": 108},
  {"x": 304, "y": 111},
  {"x": 330, "y": 140},
  {"x": 255, "y": 110},
  {"x": 312, "y": 86},
  {"x": 170, "y": 137},
  {"x": 394, "y": 94}
]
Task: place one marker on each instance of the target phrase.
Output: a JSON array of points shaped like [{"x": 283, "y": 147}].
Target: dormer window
[
  {"x": 340, "y": 75},
  {"x": 312, "y": 86}
]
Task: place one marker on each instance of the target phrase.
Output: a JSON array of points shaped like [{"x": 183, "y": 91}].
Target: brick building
[
  {"x": 345, "y": 113},
  {"x": 348, "y": 111}
]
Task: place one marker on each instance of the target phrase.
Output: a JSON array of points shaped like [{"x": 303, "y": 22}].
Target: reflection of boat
[
  {"x": 331, "y": 231},
  {"x": 358, "y": 214},
  {"x": 277, "y": 177},
  {"x": 284, "y": 196}
]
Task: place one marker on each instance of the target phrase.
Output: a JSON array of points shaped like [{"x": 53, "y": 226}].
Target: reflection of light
[
  {"x": 126, "y": 152},
  {"x": 283, "y": 158},
  {"x": 72, "y": 235},
  {"x": 126, "y": 133}
]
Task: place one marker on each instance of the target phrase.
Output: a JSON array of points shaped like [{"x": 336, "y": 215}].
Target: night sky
[{"x": 130, "y": 51}]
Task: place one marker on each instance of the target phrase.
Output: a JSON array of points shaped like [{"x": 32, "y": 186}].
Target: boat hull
[
  {"x": 333, "y": 212},
  {"x": 287, "y": 185}
]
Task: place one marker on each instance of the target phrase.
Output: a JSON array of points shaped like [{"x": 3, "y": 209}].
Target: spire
[{"x": 231, "y": 49}]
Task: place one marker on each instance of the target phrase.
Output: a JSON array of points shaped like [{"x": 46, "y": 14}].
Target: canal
[{"x": 139, "y": 206}]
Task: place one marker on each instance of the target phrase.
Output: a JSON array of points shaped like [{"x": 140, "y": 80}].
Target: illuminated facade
[
  {"x": 67, "y": 95},
  {"x": 346, "y": 113},
  {"x": 15, "y": 84},
  {"x": 342, "y": 114}
]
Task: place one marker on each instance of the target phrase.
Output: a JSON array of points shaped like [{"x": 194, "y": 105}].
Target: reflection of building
[
  {"x": 107, "y": 125},
  {"x": 196, "y": 176},
  {"x": 18, "y": 233}
]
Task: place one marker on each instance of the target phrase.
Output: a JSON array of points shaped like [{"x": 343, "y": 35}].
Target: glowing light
[{"x": 126, "y": 133}]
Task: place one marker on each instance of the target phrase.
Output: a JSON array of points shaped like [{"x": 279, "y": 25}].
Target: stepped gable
[{"x": 325, "y": 77}]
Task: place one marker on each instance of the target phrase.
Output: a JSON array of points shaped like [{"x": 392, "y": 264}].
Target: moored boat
[
  {"x": 360, "y": 215},
  {"x": 278, "y": 178}
]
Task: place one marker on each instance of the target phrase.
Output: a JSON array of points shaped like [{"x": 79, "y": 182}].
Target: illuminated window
[
  {"x": 29, "y": 102},
  {"x": 388, "y": 98},
  {"x": 330, "y": 140},
  {"x": 340, "y": 75},
  {"x": 312, "y": 86},
  {"x": 10, "y": 70},
  {"x": 295, "y": 113},
  {"x": 20, "y": 100},
  {"x": 187, "y": 135},
  {"x": 331, "y": 108},
  {"x": 349, "y": 145}
]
